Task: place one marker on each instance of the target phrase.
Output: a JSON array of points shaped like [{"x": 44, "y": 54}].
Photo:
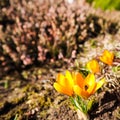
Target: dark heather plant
[{"x": 35, "y": 32}]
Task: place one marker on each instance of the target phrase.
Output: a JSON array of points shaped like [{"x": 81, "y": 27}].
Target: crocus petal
[
  {"x": 112, "y": 55},
  {"x": 70, "y": 81},
  {"x": 107, "y": 57},
  {"x": 79, "y": 80},
  {"x": 99, "y": 85},
  {"x": 107, "y": 53},
  {"x": 93, "y": 66},
  {"x": 110, "y": 61},
  {"x": 61, "y": 79},
  {"x": 62, "y": 89},
  {"x": 90, "y": 83},
  {"x": 80, "y": 92},
  {"x": 106, "y": 60},
  {"x": 103, "y": 59}
]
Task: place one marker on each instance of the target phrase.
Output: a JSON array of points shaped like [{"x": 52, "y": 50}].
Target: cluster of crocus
[
  {"x": 106, "y": 57},
  {"x": 75, "y": 83}
]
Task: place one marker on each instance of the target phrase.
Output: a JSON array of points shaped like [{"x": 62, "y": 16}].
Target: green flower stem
[{"x": 79, "y": 103}]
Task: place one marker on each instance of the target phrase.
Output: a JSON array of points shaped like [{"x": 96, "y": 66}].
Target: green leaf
[
  {"x": 16, "y": 117},
  {"x": 90, "y": 104},
  {"x": 6, "y": 84},
  {"x": 79, "y": 103},
  {"x": 116, "y": 68},
  {"x": 117, "y": 54},
  {"x": 106, "y": 4}
]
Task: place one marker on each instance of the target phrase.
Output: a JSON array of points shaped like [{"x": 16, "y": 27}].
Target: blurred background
[
  {"x": 36, "y": 32},
  {"x": 39, "y": 38}
]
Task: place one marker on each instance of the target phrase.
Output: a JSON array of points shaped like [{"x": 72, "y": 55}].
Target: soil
[{"x": 29, "y": 94}]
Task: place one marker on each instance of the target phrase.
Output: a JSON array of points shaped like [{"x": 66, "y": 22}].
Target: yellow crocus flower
[
  {"x": 93, "y": 66},
  {"x": 88, "y": 86},
  {"x": 107, "y": 57},
  {"x": 64, "y": 83},
  {"x": 74, "y": 83}
]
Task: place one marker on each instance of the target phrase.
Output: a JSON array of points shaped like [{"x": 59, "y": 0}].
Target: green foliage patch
[{"x": 106, "y": 4}]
